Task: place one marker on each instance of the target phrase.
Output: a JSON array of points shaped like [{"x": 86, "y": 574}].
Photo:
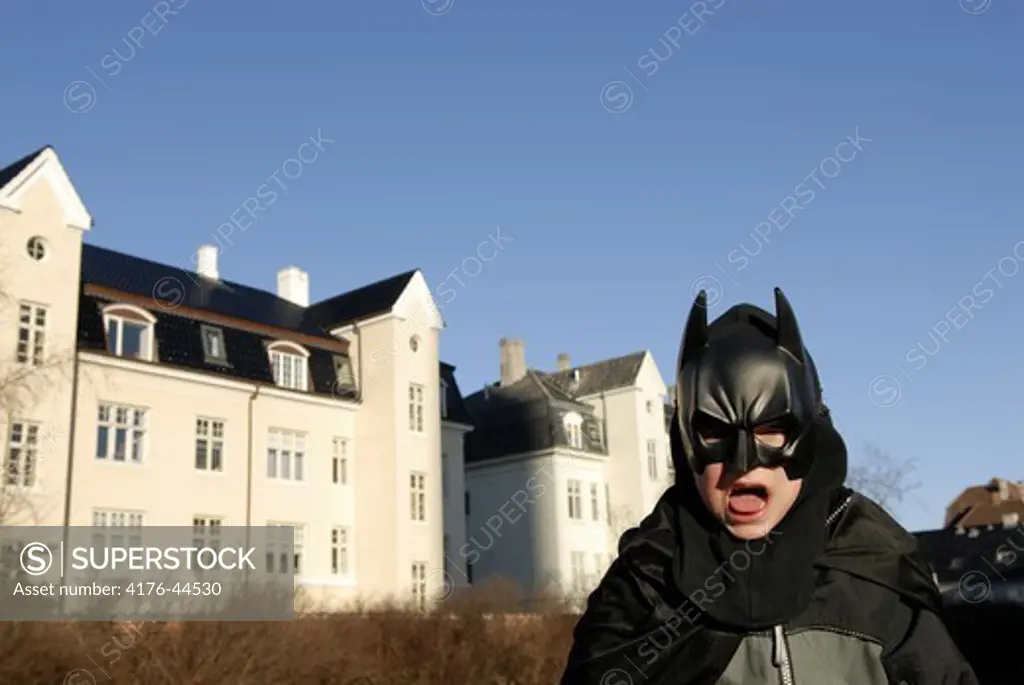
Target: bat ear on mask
[{"x": 695, "y": 335}]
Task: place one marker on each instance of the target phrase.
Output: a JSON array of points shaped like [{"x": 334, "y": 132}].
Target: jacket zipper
[
  {"x": 839, "y": 510},
  {"x": 780, "y": 655},
  {"x": 780, "y": 649}
]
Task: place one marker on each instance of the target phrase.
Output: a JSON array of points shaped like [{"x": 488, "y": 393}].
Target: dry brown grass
[{"x": 484, "y": 638}]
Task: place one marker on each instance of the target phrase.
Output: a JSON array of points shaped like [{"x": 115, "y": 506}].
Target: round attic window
[
  {"x": 36, "y": 248},
  {"x": 414, "y": 343}
]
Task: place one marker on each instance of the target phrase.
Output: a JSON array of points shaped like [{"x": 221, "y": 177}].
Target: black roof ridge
[
  {"x": 196, "y": 274},
  {"x": 405, "y": 274},
  {"x": 638, "y": 353}
]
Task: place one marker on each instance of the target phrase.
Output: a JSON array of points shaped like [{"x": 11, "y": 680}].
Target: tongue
[{"x": 746, "y": 504}]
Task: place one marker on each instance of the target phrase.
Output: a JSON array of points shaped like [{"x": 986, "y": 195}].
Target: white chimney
[
  {"x": 564, "y": 362},
  {"x": 206, "y": 262},
  {"x": 293, "y": 285},
  {"x": 513, "y": 360}
]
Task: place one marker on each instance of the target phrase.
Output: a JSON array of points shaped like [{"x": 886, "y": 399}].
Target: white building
[
  {"x": 137, "y": 393},
  {"x": 559, "y": 465}
]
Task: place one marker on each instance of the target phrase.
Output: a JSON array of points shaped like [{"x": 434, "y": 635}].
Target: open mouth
[{"x": 747, "y": 502}]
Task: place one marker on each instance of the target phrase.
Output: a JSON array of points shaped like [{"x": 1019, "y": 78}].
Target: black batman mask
[{"x": 747, "y": 372}]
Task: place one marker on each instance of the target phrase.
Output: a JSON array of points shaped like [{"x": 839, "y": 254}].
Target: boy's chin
[{"x": 750, "y": 530}]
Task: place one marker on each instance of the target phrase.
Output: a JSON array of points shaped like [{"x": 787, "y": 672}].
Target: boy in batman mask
[{"x": 758, "y": 566}]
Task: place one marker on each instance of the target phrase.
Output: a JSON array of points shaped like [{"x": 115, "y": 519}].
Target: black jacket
[{"x": 873, "y": 619}]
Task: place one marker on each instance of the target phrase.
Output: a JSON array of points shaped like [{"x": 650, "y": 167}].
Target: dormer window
[
  {"x": 444, "y": 399},
  {"x": 573, "y": 423},
  {"x": 290, "y": 365},
  {"x": 213, "y": 345},
  {"x": 129, "y": 332}
]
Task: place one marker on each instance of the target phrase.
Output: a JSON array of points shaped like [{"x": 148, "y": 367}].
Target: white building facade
[
  {"x": 559, "y": 466},
  {"x": 137, "y": 394}
]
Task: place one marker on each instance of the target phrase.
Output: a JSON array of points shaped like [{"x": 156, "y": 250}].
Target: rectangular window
[
  {"x": 121, "y": 433},
  {"x": 444, "y": 399},
  {"x": 574, "y": 435},
  {"x": 652, "y": 459},
  {"x": 575, "y": 499},
  {"x": 31, "y": 334},
  {"x": 415, "y": 408},
  {"x": 595, "y": 508},
  {"x": 213, "y": 344},
  {"x": 579, "y": 571},
  {"x": 286, "y": 454},
  {"x": 418, "y": 496},
  {"x": 339, "y": 551},
  {"x": 339, "y": 461},
  {"x": 419, "y": 585},
  {"x": 129, "y": 336},
  {"x": 289, "y": 370},
  {"x": 22, "y": 454},
  {"x": 209, "y": 444},
  {"x": 277, "y": 548},
  {"x": 206, "y": 531},
  {"x": 125, "y": 528}
]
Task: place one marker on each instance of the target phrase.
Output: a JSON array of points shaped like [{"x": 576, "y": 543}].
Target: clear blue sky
[{"x": 451, "y": 122}]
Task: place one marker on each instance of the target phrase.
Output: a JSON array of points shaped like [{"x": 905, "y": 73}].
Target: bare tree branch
[{"x": 883, "y": 478}]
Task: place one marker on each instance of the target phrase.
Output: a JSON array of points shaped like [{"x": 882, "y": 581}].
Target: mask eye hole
[
  {"x": 774, "y": 433},
  {"x": 710, "y": 430}
]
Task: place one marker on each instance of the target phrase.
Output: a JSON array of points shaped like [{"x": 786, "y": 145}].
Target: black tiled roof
[
  {"x": 990, "y": 551},
  {"x": 457, "y": 412},
  {"x": 179, "y": 344},
  {"x": 602, "y": 376},
  {"x": 370, "y": 300},
  {"x": 146, "y": 278},
  {"x": 526, "y": 416},
  {"x": 8, "y": 173}
]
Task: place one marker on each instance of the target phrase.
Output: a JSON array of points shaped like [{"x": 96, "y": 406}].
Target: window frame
[
  {"x": 418, "y": 496},
  {"x": 32, "y": 350},
  {"x": 210, "y": 440},
  {"x": 340, "y": 557},
  {"x": 297, "y": 358},
  {"x": 132, "y": 429},
  {"x": 340, "y": 474},
  {"x": 417, "y": 400},
  {"x": 297, "y": 563},
  {"x": 419, "y": 585},
  {"x": 28, "y": 454},
  {"x": 208, "y": 332},
  {"x": 652, "y": 459},
  {"x": 294, "y": 444},
  {"x": 574, "y": 497},
  {"x": 127, "y": 314},
  {"x": 573, "y": 424}
]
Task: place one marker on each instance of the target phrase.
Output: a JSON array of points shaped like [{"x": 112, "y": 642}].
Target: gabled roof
[
  {"x": 44, "y": 165},
  {"x": 526, "y": 416},
  {"x": 361, "y": 303},
  {"x": 602, "y": 376},
  {"x": 8, "y": 173}
]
